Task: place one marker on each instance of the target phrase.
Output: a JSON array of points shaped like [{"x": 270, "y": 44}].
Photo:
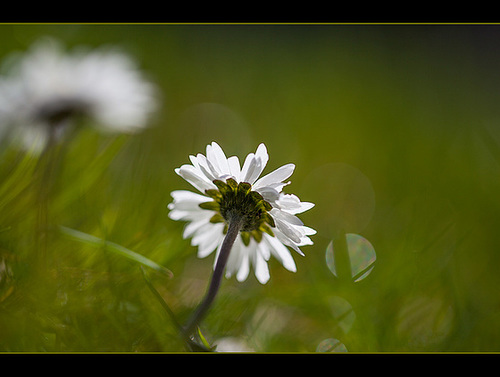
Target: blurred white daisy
[
  {"x": 269, "y": 222},
  {"x": 232, "y": 344},
  {"x": 44, "y": 89}
]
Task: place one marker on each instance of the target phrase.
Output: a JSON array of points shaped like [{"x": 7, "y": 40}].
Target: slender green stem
[
  {"x": 227, "y": 244},
  {"x": 44, "y": 185}
]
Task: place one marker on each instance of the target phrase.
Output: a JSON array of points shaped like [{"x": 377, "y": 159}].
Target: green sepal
[
  {"x": 265, "y": 228},
  {"x": 266, "y": 205},
  {"x": 212, "y": 206},
  {"x": 269, "y": 219},
  {"x": 245, "y": 236},
  {"x": 244, "y": 187},
  {"x": 257, "y": 235},
  {"x": 217, "y": 218},
  {"x": 223, "y": 187},
  {"x": 213, "y": 193},
  {"x": 232, "y": 183},
  {"x": 256, "y": 196},
  {"x": 219, "y": 183}
]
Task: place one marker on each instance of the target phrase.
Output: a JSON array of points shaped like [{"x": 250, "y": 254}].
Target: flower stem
[
  {"x": 232, "y": 232},
  {"x": 44, "y": 181}
]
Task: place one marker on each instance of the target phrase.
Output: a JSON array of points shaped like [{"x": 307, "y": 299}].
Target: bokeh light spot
[
  {"x": 361, "y": 253},
  {"x": 331, "y": 345},
  {"x": 342, "y": 313}
]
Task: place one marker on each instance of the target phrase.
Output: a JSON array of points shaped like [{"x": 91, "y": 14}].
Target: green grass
[{"x": 395, "y": 134}]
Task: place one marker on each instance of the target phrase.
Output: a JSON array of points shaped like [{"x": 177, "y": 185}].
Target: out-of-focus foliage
[{"x": 395, "y": 132}]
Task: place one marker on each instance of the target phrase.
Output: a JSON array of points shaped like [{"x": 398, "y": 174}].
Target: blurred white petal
[{"x": 45, "y": 85}]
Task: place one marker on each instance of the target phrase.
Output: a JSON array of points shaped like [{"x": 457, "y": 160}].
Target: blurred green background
[{"x": 395, "y": 133}]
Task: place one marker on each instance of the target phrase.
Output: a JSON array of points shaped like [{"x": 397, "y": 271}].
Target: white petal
[
  {"x": 304, "y": 206},
  {"x": 249, "y": 159},
  {"x": 261, "y": 153},
  {"x": 234, "y": 259},
  {"x": 178, "y": 215},
  {"x": 184, "y": 195},
  {"x": 286, "y": 241},
  {"x": 292, "y": 204},
  {"x": 243, "y": 268},
  {"x": 289, "y": 201},
  {"x": 208, "y": 247},
  {"x": 309, "y": 231},
  {"x": 278, "y": 186},
  {"x": 208, "y": 238},
  {"x": 280, "y": 252},
  {"x": 286, "y": 217},
  {"x": 210, "y": 156},
  {"x": 269, "y": 194},
  {"x": 186, "y": 205},
  {"x": 251, "y": 169},
  {"x": 194, "y": 161},
  {"x": 216, "y": 173},
  {"x": 287, "y": 230},
  {"x": 304, "y": 241},
  {"x": 261, "y": 268},
  {"x": 254, "y": 165},
  {"x": 234, "y": 167},
  {"x": 278, "y": 175},
  {"x": 221, "y": 159},
  {"x": 184, "y": 215},
  {"x": 254, "y": 171},
  {"x": 264, "y": 249},
  {"x": 206, "y": 168},
  {"x": 204, "y": 232},
  {"x": 212, "y": 162},
  {"x": 195, "y": 225},
  {"x": 285, "y": 227},
  {"x": 217, "y": 252},
  {"x": 193, "y": 176}
]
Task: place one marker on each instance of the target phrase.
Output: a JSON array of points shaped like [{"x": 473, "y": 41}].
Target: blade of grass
[
  {"x": 204, "y": 341},
  {"x": 191, "y": 344},
  {"x": 113, "y": 247},
  {"x": 17, "y": 180}
]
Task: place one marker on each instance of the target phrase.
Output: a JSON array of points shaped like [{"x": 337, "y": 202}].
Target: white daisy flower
[
  {"x": 268, "y": 221},
  {"x": 45, "y": 88}
]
